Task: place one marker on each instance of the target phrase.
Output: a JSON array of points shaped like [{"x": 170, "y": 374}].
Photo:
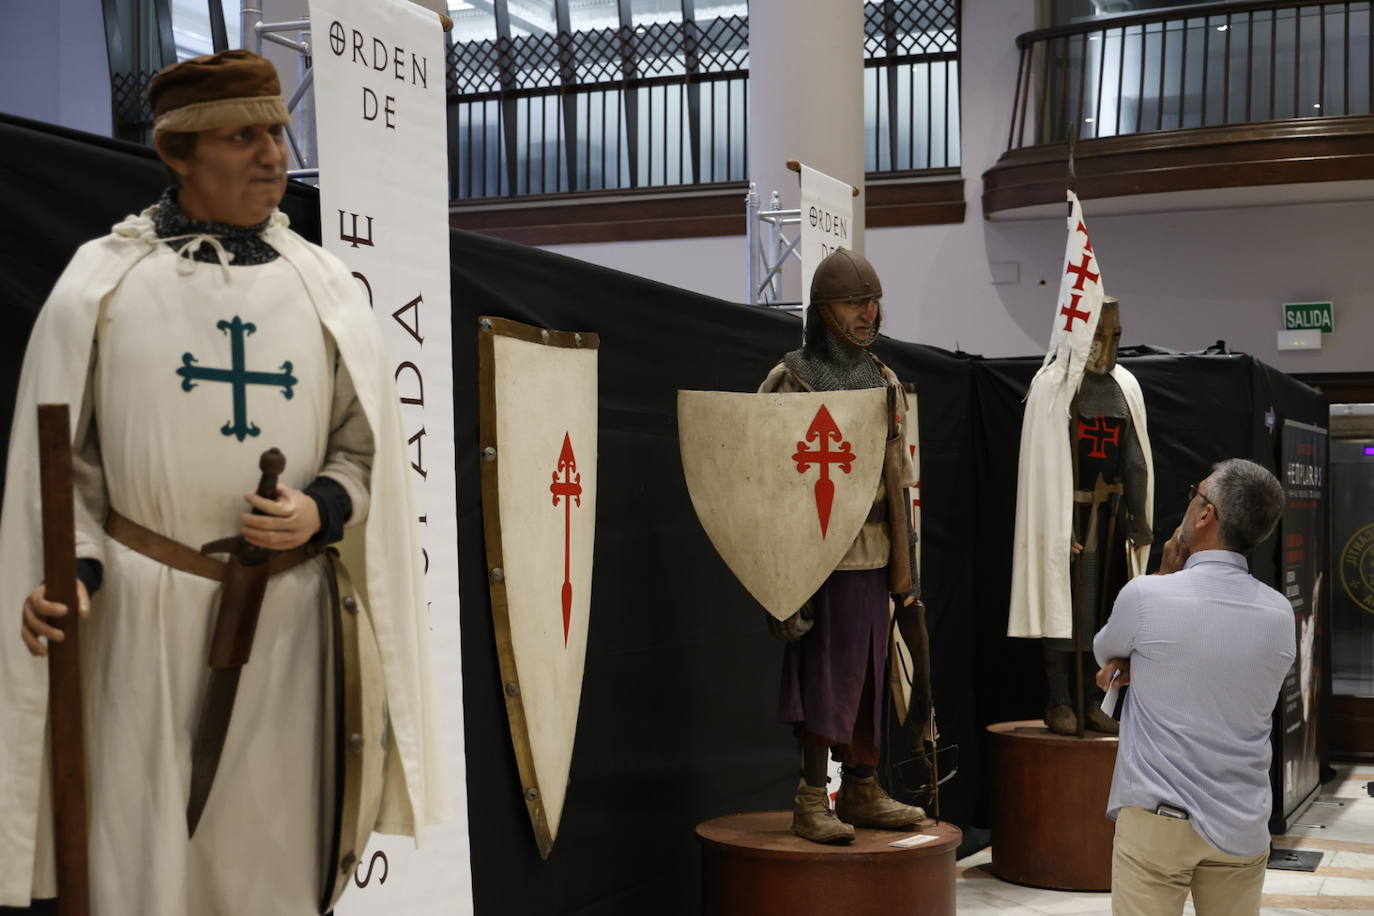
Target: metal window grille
[
  {"x": 643, "y": 106},
  {"x": 911, "y": 86},
  {"x": 138, "y": 39},
  {"x": 667, "y": 104},
  {"x": 652, "y": 105}
]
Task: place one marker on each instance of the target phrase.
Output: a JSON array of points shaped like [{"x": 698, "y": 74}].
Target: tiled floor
[{"x": 1340, "y": 824}]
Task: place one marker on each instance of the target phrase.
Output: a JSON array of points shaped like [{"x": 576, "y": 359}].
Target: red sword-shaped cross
[
  {"x": 822, "y": 430},
  {"x": 570, "y": 489}
]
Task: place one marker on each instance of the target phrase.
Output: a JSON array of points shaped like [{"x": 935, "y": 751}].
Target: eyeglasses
[{"x": 1194, "y": 491}]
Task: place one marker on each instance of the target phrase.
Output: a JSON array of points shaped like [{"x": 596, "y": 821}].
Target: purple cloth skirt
[{"x": 839, "y": 669}]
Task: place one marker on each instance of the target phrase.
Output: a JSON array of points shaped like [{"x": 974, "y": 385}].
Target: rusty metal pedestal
[
  {"x": 752, "y": 865},
  {"x": 1050, "y": 827}
]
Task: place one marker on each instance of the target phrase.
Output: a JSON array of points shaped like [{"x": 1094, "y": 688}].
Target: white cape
[
  {"x": 55, "y": 369},
  {"x": 1041, "y": 602}
]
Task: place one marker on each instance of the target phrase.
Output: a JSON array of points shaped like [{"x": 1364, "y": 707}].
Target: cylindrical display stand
[
  {"x": 753, "y": 865},
  {"x": 1050, "y": 826}
]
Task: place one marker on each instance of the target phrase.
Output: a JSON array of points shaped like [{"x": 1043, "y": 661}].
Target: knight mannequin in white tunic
[
  {"x": 188, "y": 341},
  {"x": 173, "y": 462},
  {"x": 1084, "y": 512}
]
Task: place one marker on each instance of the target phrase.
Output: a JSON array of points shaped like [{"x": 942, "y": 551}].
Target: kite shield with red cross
[{"x": 782, "y": 483}]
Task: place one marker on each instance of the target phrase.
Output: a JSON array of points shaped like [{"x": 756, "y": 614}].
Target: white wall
[
  {"x": 785, "y": 95},
  {"x": 53, "y": 63},
  {"x": 1188, "y": 279},
  {"x": 712, "y": 266},
  {"x": 1185, "y": 278}
]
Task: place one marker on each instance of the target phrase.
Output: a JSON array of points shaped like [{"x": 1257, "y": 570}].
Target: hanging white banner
[
  {"x": 827, "y": 222},
  {"x": 381, "y": 120}
]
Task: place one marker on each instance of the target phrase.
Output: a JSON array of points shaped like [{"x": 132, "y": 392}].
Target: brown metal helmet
[
  {"x": 1107, "y": 337},
  {"x": 845, "y": 276}
]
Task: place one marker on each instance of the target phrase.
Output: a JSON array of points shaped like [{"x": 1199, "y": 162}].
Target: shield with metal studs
[
  {"x": 782, "y": 483},
  {"x": 538, "y": 458}
]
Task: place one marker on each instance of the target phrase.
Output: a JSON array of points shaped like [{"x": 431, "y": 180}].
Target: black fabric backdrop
[{"x": 677, "y": 718}]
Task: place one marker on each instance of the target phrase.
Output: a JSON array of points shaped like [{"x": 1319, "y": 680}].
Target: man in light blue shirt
[{"x": 1205, "y": 648}]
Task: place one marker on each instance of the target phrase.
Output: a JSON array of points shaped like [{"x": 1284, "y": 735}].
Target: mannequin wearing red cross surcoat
[
  {"x": 1109, "y": 508},
  {"x": 1105, "y": 447}
]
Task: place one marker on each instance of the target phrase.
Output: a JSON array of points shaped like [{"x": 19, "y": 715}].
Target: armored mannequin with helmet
[
  {"x": 834, "y": 669},
  {"x": 1110, "y": 488}
]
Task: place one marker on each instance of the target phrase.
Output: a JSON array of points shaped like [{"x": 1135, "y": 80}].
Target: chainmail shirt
[{"x": 835, "y": 366}]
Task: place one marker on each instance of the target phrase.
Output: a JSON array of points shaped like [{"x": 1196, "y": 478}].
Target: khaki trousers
[{"x": 1156, "y": 860}]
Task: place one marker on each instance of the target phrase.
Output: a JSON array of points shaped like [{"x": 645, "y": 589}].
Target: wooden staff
[{"x": 64, "y": 662}]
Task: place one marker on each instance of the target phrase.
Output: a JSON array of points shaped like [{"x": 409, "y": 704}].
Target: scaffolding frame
[
  {"x": 301, "y": 140},
  {"x": 770, "y": 247}
]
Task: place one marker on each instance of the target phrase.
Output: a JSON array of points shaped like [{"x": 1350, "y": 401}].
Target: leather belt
[
  {"x": 189, "y": 560},
  {"x": 876, "y": 513},
  {"x": 1108, "y": 489}
]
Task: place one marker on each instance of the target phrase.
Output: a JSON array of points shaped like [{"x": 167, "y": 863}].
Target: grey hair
[{"x": 1249, "y": 501}]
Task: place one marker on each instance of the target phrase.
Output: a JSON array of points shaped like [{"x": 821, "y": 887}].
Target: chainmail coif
[{"x": 827, "y": 363}]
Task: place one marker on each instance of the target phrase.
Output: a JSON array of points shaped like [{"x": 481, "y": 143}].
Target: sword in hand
[
  {"x": 240, "y": 602},
  {"x": 280, "y": 519}
]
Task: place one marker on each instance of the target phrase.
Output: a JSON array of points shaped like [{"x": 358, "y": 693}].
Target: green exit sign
[{"x": 1308, "y": 316}]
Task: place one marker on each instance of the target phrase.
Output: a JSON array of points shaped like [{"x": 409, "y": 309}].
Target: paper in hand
[{"x": 1113, "y": 694}]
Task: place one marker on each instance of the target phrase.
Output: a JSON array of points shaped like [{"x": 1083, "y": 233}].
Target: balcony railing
[
  {"x": 1217, "y": 98},
  {"x": 1216, "y": 65}
]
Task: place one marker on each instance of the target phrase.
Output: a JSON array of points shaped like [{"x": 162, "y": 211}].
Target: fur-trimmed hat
[{"x": 227, "y": 89}]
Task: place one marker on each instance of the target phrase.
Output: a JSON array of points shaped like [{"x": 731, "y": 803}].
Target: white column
[{"x": 806, "y": 95}]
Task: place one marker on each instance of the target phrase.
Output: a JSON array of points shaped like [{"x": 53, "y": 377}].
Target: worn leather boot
[
  {"x": 1101, "y": 722},
  {"x": 812, "y": 818},
  {"x": 863, "y": 803},
  {"x": 1061, "y": 720}
]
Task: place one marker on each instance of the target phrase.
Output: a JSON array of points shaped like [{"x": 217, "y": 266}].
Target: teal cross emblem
[{"x": 238, "y": 376}]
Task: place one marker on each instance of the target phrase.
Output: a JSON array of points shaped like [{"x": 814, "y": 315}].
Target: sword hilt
[{"x": 271, "y": 464}]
